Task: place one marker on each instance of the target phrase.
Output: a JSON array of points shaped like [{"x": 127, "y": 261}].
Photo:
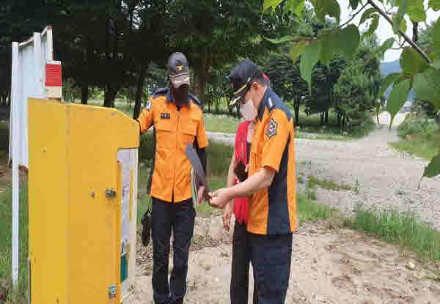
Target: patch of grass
[
  {"x": 311, "y": 211},
  {"x": 326, "y": 184},
  {"x": 402, "y": 228},
  {"x": 419, "y": 135},
  {"x": 19, "y": 295},
  {"x": 300, "y": 179},
  {"x": 332, "y": 131},
  {"x": 419, "y": 147},
  {"x": 221, "y": 123},
  {"x": 219, "y": 156}
]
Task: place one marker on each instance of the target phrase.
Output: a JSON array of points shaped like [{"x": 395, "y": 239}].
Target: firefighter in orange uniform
[
  {"x": 177, "y": 118},
  {"x": 270, "y": 184}
]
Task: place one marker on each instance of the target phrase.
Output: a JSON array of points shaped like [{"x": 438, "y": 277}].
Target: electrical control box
[{"x": 83, "y": 164}]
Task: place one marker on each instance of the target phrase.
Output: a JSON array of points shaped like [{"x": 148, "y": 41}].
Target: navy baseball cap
[
  {"x": 178, "y": 69},
  {"x": 241, "y": 77}
]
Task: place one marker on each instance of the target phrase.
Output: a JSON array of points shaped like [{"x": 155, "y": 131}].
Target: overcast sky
[{"x": 384, "y": 30}]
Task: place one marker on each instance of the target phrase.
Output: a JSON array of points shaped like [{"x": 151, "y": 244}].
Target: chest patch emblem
[
  {"x": 165, "y": 116},
  {"x": 272, "y": 128}
]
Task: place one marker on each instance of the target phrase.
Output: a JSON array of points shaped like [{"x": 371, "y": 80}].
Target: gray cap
[{"x": 178, "y": 69}]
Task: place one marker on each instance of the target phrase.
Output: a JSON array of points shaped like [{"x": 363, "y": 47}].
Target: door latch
[{"x": 110, "y": 193}]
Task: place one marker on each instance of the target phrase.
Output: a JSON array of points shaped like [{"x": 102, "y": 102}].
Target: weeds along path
[{"x": 379, "y": 176}]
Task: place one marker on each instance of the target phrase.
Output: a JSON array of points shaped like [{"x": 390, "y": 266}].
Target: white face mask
[{"x": 248, "y": 110}]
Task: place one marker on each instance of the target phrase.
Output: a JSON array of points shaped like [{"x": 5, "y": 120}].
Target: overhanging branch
[{"x": 407, "y": 39}]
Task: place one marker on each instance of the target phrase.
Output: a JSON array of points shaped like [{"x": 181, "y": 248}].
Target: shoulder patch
[
  {"x": 149, "y": 104},
  {"x": 195, "y": 100},
  {"x": 270, "y": 103},
  {"x": 160, "y": 92},
  {"x": 272, "y": 128}
]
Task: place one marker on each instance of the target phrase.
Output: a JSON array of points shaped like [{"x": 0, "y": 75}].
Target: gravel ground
[{"x": 380, "y": 176}]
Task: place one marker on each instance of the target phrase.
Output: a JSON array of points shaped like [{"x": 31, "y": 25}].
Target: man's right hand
[{"x": 227, "y": 213}]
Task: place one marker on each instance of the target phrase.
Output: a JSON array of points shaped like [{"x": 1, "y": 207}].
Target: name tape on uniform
[{"x": 165, "y": 115}]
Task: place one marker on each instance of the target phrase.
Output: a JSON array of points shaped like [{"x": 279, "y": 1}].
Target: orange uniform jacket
[
  {"x": 170, "y": 178},
  {"x": 273, "y": 210}
]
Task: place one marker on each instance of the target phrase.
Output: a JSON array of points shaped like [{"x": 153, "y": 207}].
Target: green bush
[
  {"x": 424, "y": 132},
  {"x": 417, "y": 124}
]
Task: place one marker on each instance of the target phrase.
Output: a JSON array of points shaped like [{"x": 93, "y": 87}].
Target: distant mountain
[
  {"x": 390, "y": 67},
  {"x": 393, "y": 67}
]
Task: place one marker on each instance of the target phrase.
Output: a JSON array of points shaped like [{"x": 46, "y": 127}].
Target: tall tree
[{"x": 213, "y": 33}]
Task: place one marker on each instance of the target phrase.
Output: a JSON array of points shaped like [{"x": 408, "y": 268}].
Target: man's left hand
[{"x": 202, "y": 195}]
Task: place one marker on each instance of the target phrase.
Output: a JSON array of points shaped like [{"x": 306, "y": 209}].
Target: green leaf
[
  {"x": 354, "y": 4},
  {"x": 347, "y": 41},
  {"x": 385, "y": 46},
  {"x": 282, "y": 39},
  {"x": 398, "y": 97},
  {"x": 271, "y": 3},
  {"x": 327, "y": 47},
  {"x": 397, "y": 19},
  {"x": 402, "y": 24},
  {"x": 295, "y": 6},
  {"x": 297, "y": 50},
  {"x": 416, "y": 11},
  {"x": 434, "y": 4},
  {"x": 327, "y": 7},
  {"x": 433, "y": 168},
  {"x": 436, "y": 36},
  {"x": 308, "y": 61},
  {"x": 436, "y": 63},
  {"x": 389, "y": 80},
  {"x": 427, "y": 88},
  {"x": 373, "y": 26},
  {"x": 367, "y": 15},
  {"x": 411, "y": 62}
]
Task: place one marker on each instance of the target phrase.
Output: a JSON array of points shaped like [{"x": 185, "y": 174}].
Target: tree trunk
[
  {"x": 343, "y": 123},
  {"x": 84, "y": 92},
  {"x": 326, "y": 117},
  {"x": 296, "y": 109},
  {"x": 110, "y": 95},
  {"x": 201, "y": 75},
  {"x": 322, "y": 118},
  {"x": 339, "y": 119},
  {"x": 86, "y": 77},
  {"x": 139, "y": 90}
]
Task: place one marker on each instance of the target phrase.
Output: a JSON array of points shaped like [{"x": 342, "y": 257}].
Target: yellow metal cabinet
[{"x": 82, "y": 203}]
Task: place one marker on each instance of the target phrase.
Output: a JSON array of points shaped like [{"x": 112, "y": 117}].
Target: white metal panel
[
  {"x": 28, "y": 80},
  {"x": 129, "y": 163}
]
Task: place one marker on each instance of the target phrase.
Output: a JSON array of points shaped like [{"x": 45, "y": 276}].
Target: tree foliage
[{"x": 421, "y": 68}]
